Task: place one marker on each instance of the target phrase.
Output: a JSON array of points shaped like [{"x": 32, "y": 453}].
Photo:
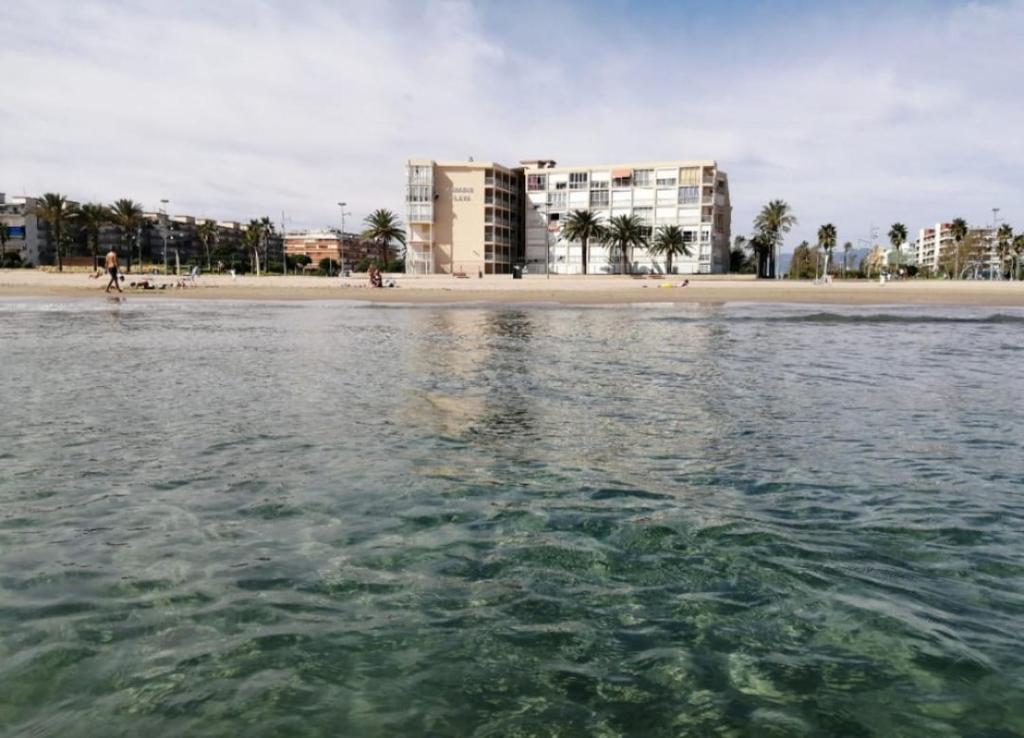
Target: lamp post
[
  {"x": 341, "y": 238},
  {"x": 166, "y": 226}
]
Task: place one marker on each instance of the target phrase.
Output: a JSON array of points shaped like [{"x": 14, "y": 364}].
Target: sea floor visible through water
[{"x": 322, "y": 519}]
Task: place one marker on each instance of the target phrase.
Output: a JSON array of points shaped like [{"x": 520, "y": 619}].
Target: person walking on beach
[{"x": 112, "y": 269}]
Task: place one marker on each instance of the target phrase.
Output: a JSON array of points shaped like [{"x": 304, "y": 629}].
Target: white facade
[
  {"x": 693, "y": 195},
  {"x": 931, "y": 244},
  {"x": 17, "y": 215}
]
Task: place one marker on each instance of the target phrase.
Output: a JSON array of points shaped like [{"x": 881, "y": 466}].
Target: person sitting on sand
[{"x": 111, "y": 263}]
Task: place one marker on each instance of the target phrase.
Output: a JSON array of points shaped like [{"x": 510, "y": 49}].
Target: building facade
[
  {"x": 462, "y": 217},
  {"x": 693, "y": 195},
  {"x": 481, "y": 217},
  {"x": 329, "y": 244},
  {"x": 932, "y": 243},
  {"x": 979, "y": 253},
  {"x": 18, "y": 218}
]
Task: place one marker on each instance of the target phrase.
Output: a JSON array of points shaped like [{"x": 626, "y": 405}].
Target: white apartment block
[
  {"x": 931, "y": 243},
  {"x": 18, "y": 216},
  {"x": 693, "y": 195}
]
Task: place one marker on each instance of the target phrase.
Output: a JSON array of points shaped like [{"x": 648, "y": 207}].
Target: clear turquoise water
[{"x": 327, "y": 519}]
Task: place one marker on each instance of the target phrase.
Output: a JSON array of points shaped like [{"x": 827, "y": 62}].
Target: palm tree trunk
[
  {"x": 668, "y": 263},
  {"x": 583, "y": 243},
  {"x": 209, "y": 264},
  {"x": 95, "y": 254},
  {"x": 60, "y": 261}
]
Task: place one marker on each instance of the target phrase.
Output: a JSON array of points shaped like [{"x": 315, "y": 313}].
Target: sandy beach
[{"x": 592, "y": 290}]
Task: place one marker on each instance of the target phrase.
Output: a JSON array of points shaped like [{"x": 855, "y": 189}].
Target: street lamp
[
  {"x": 341, "y": 239},
  {"x": 166, "y": 227}
]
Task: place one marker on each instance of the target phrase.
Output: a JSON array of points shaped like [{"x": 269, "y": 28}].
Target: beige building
[{"x": 463, "y": 217}]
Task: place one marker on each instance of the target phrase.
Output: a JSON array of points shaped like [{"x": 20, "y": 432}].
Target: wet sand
[{"x": 593, "y": 290}]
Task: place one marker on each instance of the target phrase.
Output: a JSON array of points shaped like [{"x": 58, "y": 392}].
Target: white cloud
[{"x": 238, "y": 109}]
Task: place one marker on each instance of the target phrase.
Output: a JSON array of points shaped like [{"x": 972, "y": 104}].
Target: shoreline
[{"x": 563, "y": 290}]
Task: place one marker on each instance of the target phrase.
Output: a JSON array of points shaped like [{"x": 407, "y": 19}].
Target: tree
[
  {"x": 669, "y": 241},
  {"x": 898, "y": 237},
  {"x": 827, "y": 241},
  {"x": 57, "y": 211},
  {"x": 873, "y": 261},
  {"x": 804, "y": 262},
  {"x": 761, "y": 246},
  {"x": 127, "y": 215},
  {"x": 1004, "y": 241},
  {"x": 252, "y": 239},
  {"x": 846, "y": 255},
  {"x": 1018, "y": 252},
  {"x": 774, "y": 221},
  {"x": 583, "y": 226},
  {"x": 206, "y": 232},
  {"x": 3, "y": 243},
  {"x": 92, "y": 216},
  {"x": 383, "y": 227},
  {"x": 739, "y": 260},
  {"x": 622, "y": 234},
  {"x": 958, "y": 229}
]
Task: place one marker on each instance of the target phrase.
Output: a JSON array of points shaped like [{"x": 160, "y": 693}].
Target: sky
[{"x": 856, "y": 113}]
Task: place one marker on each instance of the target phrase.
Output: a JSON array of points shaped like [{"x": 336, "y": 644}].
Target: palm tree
[
  {"x": 582, "y": 226},
  {"x": 266, "y": 229},
  {"x": 774, "y": 221},
  {"x": 958, "y": 229},
  {"x": 127, "y": 214},
  {"x": 207, "y": 234},
  {"x": 3, "y": 244},
  {"x": 56, "y": 210},
  {"x": 846, "y": 255},
  {"x": 1004, "y": 239},
  {"x": 898, "y": 237},
  {"x": 623, "y": 233},
  {"x": 669, "y": 242},
  {"x": 253, "y": 238},
  {"x": 1018, "y": 252},
  {"x": 93, "y": 216},
  {"x": 827, "y": 242},
  {"x": 383, "y": 226},
  {"x": 761, "y": 245}
]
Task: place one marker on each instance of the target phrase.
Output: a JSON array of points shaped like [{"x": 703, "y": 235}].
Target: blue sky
[{"x": 857, "y": 113}]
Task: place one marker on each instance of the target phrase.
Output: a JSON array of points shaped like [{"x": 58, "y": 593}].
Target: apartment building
[
  {"x": 463, "y": 217},
  {"x": 981, "y": 253},
  {"x": 693, "y": 195},
  {"x": 329, "y": 244},
  {"x": 18, "y": 217},
  {"x": 482, "y": 217}
]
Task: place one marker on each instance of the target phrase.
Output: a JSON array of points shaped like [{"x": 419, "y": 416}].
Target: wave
[{"x": 863, "y": 319}]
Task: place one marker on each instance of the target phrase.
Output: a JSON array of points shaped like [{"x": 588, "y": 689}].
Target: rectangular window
[
  {"x": 689, "y": 176},
  {"x": 689, "y": 236},
  {"x": 557, "y": 200},
  {"x": 599, "y": 198},
  {"x": 643, "y": 177},
  {"x": 646, "y": 215},
  {"x": 419, "y": 193},
  {"x": 578, "y": 180},
  {"x": 535, "y": 182},
  {"x": 599, "y": 184},
  {"x": 689, "y": 195},
  {"x": 560, "y": 185},
  {"x": 666, "y": 182},
  {"x": 625, "y": 181}
]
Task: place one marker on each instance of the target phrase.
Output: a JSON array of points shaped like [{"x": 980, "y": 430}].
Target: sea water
[{"x": 330, "y": 519}]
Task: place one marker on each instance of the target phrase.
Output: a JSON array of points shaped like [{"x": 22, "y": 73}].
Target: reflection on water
[{"x": 335, "y": 520}]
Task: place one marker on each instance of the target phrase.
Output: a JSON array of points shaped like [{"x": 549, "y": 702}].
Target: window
[
  {"x": 419, "y": 193},
  {"x": 646, "y": 215},
  {"x": 689, "y": 176},
  {"x": 536, "y": 182},
  {"x": 599, "y": 198},
  {"x": 599, "y": 184},
  {"x": 578, "y": 180},
  {"x": 420, "y": 175},
  {"x": 643, "y": 177},
  {"x": 666, "y": 182},
  {"x": 689, "y": 236},
  {"x": 560, "y": 185},
  {"x": 689, "y": 195},
  {"x": 557, "y": 200},
  {"x": 624, "y": 181}
]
